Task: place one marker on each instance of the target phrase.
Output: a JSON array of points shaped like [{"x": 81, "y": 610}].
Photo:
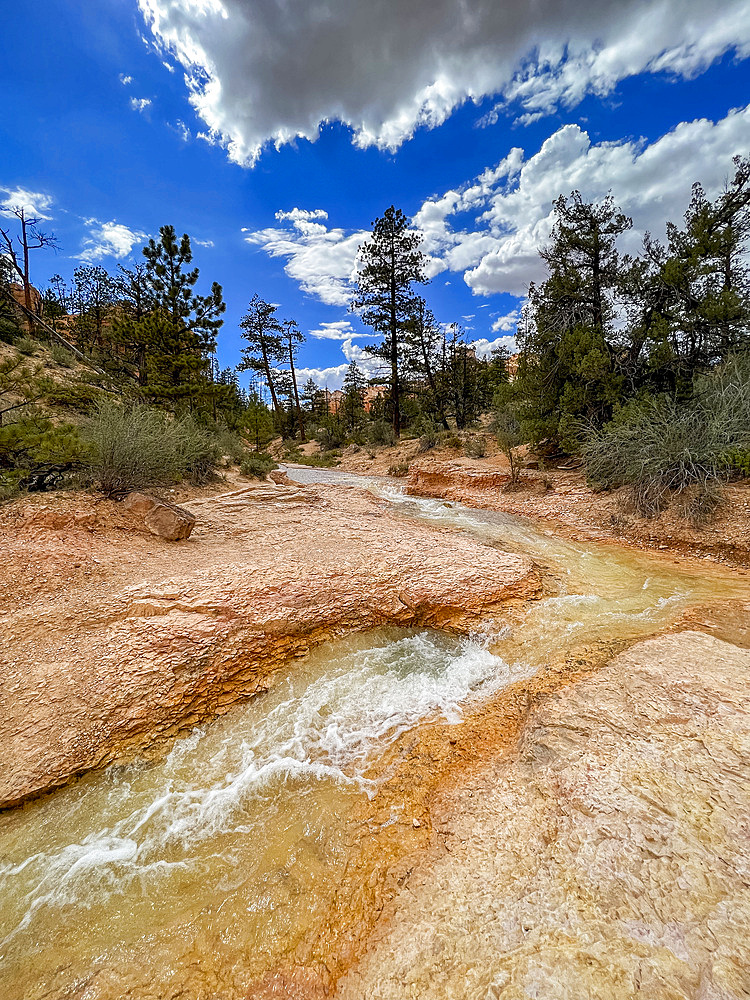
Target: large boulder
[
  {"x": 164, "y": 519},
  {"x": 170, "y": 522}
]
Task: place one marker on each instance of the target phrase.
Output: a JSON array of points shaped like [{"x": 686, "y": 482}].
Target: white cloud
[
  {"x": 333, "y": 377},
  {"x": 385, "y": 69},
  {"x": 35, "y": 203},
  {"x": 321, "y": 260},
  {"x": 652, "y": 183},
  {"x": 125, "y": 80},
  {"x": 181, "y": 129},
  {"x": 507, "y": 322},
  {"x": 108, "y": 239},
  {"x": 140, "y": 103},
  {"x": 340, "y": 329},
  {"x": 204, "y": 243},
  {"x": 485, "y": 347},
  {"x": 510, "y": 208},
  {"x": 326, "y": 378}
]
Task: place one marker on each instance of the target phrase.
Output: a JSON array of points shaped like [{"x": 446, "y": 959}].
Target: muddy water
[{"x": 194, "y": 875}]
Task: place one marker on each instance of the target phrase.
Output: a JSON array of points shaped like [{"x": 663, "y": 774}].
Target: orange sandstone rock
[{"x": 112, "y": 639}]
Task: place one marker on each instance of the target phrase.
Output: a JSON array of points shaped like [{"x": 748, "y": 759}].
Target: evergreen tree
[
  {"x": 263, "y": 333},
  {"x": 391, "y": 263},
  {"x": 425, "y": 351},
  {"x": 134, "y": 301},
  {"x": 568, "y": 340},
  {"x": 181, "y": 327},
  {"x": 695, "y": 291},
  {"x": 293, "y": 338},
  {"x": 314, "y": 399},
  {"x": 91, "y": 299},
  {"x": 352, "y": 409}
]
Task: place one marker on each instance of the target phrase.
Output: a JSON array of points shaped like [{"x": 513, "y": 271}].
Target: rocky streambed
[{"x": 507, "y": 792}]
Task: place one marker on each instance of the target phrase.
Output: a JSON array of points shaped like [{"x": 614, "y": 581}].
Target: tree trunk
[
  {"x": 269, "y": 377},
  {"x": 300, "y": 421},
  {"x": 395, "y": 388}
]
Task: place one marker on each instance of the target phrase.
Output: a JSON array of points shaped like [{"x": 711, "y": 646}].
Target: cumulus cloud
[
  {"x": 140, "y": 103},
  {"x": 651, "y": 182},
  {"x": 340, "y": 329},
  {"x": 386, "y": 69},
  {"x": 35, "y": 203},
  {"x": 108, "y": 239},
  {"x": 507, "y": 211},
  {"x": 485, "y": 347},
  {"x": 507, "y": 322},
  {"x": 125, "y": 80},
  {"x": 321, "y": 260},
  {"x": 327, "y": 378}
]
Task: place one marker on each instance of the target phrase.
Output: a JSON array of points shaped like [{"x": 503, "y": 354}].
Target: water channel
[{"x": 192, "y": 875}]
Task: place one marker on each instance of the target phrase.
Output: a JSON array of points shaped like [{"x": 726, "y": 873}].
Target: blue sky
[{"x": 275, "y": 132}]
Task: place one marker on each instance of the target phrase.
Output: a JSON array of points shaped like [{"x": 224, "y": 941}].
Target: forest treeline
[{"x": 636, "y": 361}]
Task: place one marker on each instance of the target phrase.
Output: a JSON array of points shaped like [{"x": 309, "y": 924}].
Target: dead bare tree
[{"x": 16, "y": 251}]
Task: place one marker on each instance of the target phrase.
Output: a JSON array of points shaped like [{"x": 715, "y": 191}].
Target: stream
[{"x": 194, "y": 874}]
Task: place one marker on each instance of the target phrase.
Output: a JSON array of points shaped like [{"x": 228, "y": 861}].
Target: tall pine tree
[{"x": 392, "y": 263}]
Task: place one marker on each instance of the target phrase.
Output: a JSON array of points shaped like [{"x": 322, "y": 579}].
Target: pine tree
[
  {"x": 695, "y": 292},
  {"x": 568, "y": 350},
  {"x": 425, "y": 351},
  {"x": 352, "y": 410},
  {"x": 263, "y": 333},
  {"x": 293, "y": 337},
  {"x": 391, "y": 263},
  {"x": 181, "y": 326}
]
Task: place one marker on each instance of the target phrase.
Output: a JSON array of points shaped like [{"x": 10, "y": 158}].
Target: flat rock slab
[
  {"x": 144, "y": 640},
  {"x": 609, "y": 859}
]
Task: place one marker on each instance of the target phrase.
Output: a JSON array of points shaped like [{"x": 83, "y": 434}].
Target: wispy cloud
[{"x": 35, "y": 203}]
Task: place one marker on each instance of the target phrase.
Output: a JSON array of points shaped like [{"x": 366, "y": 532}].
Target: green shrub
[
  {"x": 475, "y": 447},
  {"x": 331, "y": 435},
  {"x": 429, "y": 437},
  {"x": 75, "y": 395},
  {"x": 9, "y": 331},
  {"x": 399, "y": 470},
  {"x": 449, "y": 439},
  {"x": 380, "y": 432},
  {"x": 507, "y": 429},
  {"x": 8, "y": 488},
  {"x": 257, "y": 465},
  {"x": 26, "y": 345},
  {"x": 62, "y": 356},
  {"x": 664, "y": 450},
  {"x": 33, "y": 442},
  {"x": 135, "y": 447},
  {"x": 197, "y": 449},
  {"x": 737, "y": 460}
]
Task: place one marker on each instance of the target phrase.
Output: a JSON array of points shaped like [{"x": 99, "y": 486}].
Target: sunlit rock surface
[
  {"x": 609, "y": 858},
  {"x": 112, "y": 639}
]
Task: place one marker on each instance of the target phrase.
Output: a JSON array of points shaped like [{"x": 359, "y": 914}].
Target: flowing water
[{"x": 192, "y": 875}]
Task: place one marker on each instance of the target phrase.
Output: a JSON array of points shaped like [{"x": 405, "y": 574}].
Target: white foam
[{"x": 330, "y": 729}]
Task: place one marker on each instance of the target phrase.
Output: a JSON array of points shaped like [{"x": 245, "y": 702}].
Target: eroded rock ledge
[
  {"x": 110, "y": 639},
  {"x": 607, "y": 857}
]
